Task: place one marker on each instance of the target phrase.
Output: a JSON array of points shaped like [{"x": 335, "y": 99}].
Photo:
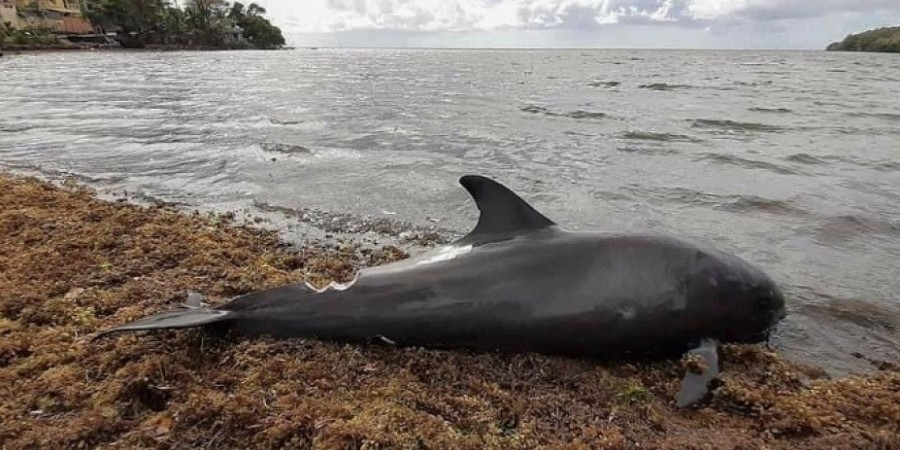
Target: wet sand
[{"x": 73, "y": 265}]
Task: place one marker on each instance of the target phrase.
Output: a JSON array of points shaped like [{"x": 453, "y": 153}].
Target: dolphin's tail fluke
[{"x": 192, "y": 314}]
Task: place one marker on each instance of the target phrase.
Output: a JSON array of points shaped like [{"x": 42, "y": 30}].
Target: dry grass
[{"x": 72, "y": 265}]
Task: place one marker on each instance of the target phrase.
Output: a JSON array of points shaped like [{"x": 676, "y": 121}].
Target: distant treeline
[
  {"x": 878, "y": 40},
  {"x": 199, "y": 24}
]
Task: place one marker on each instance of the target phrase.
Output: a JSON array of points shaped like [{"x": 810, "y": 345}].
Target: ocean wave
[
  {"x": 658, "y": 150},
  {"x": 805, "y": 158},
  {"x": 885, "y": 165},
  {"x": 880, "y": 165},
  {"x": 150, "y": 199},
  {"x": 7, "y": 128},
  {"x": 61, "y": 174},
  {"x": 333, "y": 222},
  {"x": 576, "y": 114},
  {"x": 604, "y": 83},
  {"x": 576, "y": 133},
  {"x": 534, "y": 109},
  {"x": 581, "y": 114},
  {"x": 652, "y": 136},
  {"x": 664, "y": 86},
  {"x": 836, "y": 229},
  {"x": 288, "y": 149},
  {"x": 737, "y": 203},
  {"x": 893, "y": 117},
  {"x": 750, "y": 203},
  {"x": 734, "y": 126},
  {"x": 285, "y": 122},
  {"x": 772, "y": 110},
  {"x": 859, "y": 312},
  {"x": 721, "y": 158}
]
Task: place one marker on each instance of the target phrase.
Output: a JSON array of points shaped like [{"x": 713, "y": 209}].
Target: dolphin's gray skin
[{"x": 519, "y": 282}]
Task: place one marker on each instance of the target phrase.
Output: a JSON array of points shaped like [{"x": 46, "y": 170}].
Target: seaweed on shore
[{"x": 73, "y": 265}]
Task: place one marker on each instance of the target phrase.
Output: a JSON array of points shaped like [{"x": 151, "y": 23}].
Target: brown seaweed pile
[{"x": 72, "y": 265}]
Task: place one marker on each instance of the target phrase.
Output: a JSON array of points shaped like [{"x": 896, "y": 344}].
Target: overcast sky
[{"x": 578, "y": 23}]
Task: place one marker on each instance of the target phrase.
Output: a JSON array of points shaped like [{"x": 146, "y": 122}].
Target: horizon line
[{"x": 297, "y": 46}]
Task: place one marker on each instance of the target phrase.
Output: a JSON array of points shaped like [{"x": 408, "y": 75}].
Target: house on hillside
[
  {"x": 60, "y": 16},
  {"x": 9, "y": 14}
]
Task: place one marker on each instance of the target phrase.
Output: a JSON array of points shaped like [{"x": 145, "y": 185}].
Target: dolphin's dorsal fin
[{"x": 502, "y": 211}]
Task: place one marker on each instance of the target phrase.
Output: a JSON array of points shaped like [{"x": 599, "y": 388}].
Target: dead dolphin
[{"x": 519, "y": 282}]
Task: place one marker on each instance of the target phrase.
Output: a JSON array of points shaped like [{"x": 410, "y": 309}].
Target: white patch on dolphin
[
  {"x": 628, "y": 312},
  {"x": 444, "y": 254},
  {"x": 333, "y": 286}
]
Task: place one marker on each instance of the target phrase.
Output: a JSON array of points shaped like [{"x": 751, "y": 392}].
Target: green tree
[
  {"x": 257, "y": 29},
  {"x": 173, "y": 27},
  {"x": 878, "y": 40},
  {"x": 201, "y": 23},
  {"x": 135, "y": 20},
  {"x": 207, "y": 22}
]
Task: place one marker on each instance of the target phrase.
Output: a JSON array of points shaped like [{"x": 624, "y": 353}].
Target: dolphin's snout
[
  {"x": 772, "y": 300},
  {"x": 758, "y": 304},
  {"x": 766, "y": 297}
]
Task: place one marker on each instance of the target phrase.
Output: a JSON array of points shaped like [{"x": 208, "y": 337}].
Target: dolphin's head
[
  {"x": 768, "y": 297},
  {"x": 758, "y": 300},
  {"x": 745, "y": 301}
]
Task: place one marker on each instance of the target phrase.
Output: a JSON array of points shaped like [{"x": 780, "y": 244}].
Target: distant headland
[
  {"x": 156, "y": 24},
  {"x": 885, "y": 40}
]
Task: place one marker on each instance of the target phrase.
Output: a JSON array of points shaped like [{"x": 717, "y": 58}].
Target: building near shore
[
  {"x": 59, "y": 16},
  {"x": 9, "y": 14}
]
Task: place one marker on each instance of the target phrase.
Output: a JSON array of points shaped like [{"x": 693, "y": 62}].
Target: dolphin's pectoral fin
[
  {"x": 702, "y": 365},
  {"x": 386, "y": 339},
  {"x": 187, "y": 316},
  {"x": 502, "y": 211}
]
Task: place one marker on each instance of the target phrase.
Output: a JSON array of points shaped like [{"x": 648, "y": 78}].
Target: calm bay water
[{"x": 789, "y": 159}]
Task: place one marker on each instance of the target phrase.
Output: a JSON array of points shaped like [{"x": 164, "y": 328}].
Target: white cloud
[
  {"x": 461, "y": 15},
  {"x": 713, "y": 9},
  {"x": 654, "y": 23}
]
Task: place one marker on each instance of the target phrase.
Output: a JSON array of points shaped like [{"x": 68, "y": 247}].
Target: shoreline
[
  {"x": 18, "y": 50},
  {"x": 75, "y": 265}
]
